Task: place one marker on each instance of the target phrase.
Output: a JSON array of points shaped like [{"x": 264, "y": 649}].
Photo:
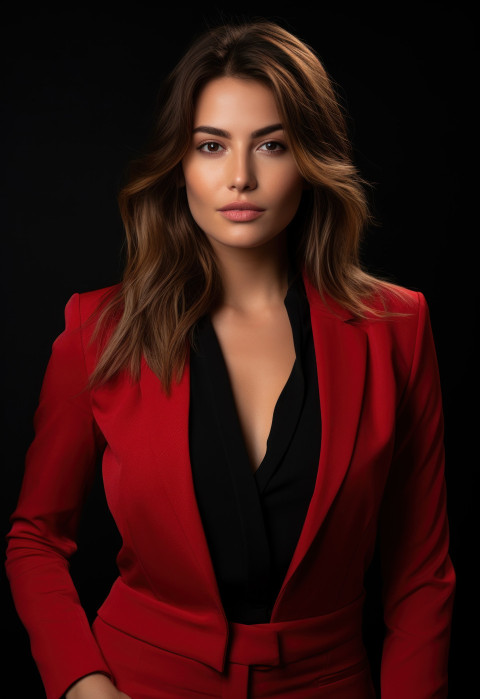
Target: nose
[{"x": 241, "y": 175}]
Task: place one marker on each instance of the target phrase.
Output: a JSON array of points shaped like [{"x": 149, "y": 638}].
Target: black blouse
[{"x": 252, "y": 520}]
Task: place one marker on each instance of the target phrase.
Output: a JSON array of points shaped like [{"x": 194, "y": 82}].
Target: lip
[
  {"x": 241, "y": 215},
  {"x": 241, "y": 206}
]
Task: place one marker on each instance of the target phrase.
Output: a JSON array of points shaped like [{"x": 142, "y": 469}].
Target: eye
[
  {"x": 273, "y": 147},
  {"x": 212, "y": 147}
]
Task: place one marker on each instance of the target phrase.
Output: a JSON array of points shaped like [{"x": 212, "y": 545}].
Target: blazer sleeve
[
  {"x": 59, "y": 469},
  {"x": 417, "y": 574}
]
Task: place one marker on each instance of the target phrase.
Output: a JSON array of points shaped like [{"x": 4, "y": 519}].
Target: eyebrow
[{"x": 226, "y": 134}]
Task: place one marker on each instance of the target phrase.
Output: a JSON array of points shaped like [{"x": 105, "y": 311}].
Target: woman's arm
[
  {"x": 418, "y": 576},
  {"x": 94, "y": 686},
  {"x": 59, "y": 470}
]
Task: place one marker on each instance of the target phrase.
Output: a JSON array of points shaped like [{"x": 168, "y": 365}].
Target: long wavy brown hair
[{"x": 171, "y": 277}]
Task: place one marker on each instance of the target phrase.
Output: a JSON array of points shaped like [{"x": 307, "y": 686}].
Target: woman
[{"x": 264, "y": 407}]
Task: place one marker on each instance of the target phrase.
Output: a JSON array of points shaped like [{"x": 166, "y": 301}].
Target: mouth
[
  {"x": 241, "y": 211},
  {"x": 241, "y": 206},
  {"x": 241, "y": 215}
]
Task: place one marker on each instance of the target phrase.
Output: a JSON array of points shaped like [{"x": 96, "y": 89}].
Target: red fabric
[
  {"x": 146, "y": 671},
  {"x": 381, "y": 469}
]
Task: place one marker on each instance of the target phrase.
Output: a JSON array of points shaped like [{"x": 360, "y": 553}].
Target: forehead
[{"x": 238, "y": 101}]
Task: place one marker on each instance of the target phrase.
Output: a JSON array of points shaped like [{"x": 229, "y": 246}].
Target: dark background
[{"x": 79, "y": 93}]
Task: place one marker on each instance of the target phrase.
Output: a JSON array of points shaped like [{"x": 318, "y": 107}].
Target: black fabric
[{"x": 252, "y": 520}]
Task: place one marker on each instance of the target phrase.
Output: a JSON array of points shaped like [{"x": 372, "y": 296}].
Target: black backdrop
[{"x": 79, "y": 92}]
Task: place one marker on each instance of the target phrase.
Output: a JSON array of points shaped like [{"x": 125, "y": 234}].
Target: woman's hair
[{"x": 171, "y": 276}]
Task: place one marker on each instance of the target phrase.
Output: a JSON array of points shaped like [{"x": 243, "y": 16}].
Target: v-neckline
[{"x": 286, "y": 411}]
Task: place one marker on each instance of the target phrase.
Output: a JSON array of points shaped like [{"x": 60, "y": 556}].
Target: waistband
[{"x": 207, "y": 636}]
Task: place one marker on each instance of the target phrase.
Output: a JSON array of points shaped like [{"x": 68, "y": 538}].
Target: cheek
[
  {"x": 200, "y": 187},
  {"x": 289, "y": 189},
  {"x": 193, "y": 181},
  {"x": 201, "y": 178},
  {"x": 286, "y": 184}
]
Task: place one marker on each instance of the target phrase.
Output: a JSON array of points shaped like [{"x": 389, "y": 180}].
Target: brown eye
[
  {"x": 273, "y": 146},
  {"x": 210, "y": 147}
]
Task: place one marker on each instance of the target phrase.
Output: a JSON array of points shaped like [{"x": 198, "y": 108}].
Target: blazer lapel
[
  {"x": 341, "y": 351},
  {"x": 167, "y": 420},
  {"x": 341, "y": 354}
]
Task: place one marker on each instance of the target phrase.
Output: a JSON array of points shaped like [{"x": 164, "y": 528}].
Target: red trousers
[{"x": 280, "y": 659}]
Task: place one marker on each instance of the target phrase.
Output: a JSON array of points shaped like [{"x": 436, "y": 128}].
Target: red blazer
[{"x": 381, "y": 470}]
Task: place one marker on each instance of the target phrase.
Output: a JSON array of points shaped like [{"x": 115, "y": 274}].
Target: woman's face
[{"x": 239, "y": 153}]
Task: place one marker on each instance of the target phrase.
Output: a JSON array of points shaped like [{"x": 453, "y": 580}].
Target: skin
[
  {"x": 251, "y": 323},
  {"x": 94, "y": 686},
  {"x": 252, "y": 256}
]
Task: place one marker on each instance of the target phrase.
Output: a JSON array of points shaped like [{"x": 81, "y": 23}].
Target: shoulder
[
  {"x": 90, "y": 302},
  {"x": 403, "y": 337},
  {"x": 82, "y": 312},
  {"x": 83, "y": 307},
  {"x": 403, "y": 311},
  {"x": 383, "y": 300},
  {"x": 396, "y": 312},
  {"x": 395, "y": 298}
]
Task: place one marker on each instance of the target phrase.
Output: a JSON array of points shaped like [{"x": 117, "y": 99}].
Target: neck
[{"x": 254, "y": 279}]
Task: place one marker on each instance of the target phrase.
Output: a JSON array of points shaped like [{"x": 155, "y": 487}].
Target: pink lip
[
  {"x": 241, "y": 205},
  {"x": 240, "y": 214}
]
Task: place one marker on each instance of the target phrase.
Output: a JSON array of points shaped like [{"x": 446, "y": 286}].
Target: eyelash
[{"x": 270, "y": 152}]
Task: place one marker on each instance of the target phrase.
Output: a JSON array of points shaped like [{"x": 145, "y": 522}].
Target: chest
[{"x": 259, "y": 355}]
